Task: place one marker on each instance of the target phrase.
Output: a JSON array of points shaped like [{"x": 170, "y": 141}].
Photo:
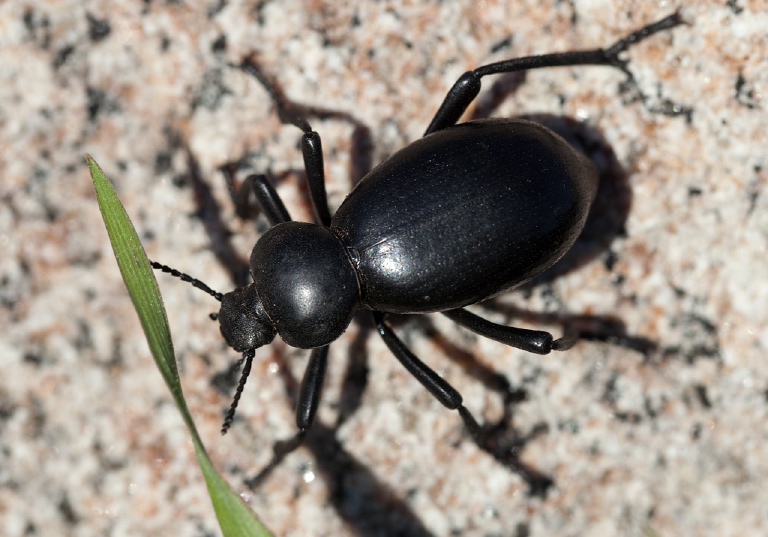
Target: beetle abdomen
[{"x": 464, "y": 214}]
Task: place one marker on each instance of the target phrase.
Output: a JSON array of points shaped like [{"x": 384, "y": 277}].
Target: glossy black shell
[{"x": 464, "y": 214}]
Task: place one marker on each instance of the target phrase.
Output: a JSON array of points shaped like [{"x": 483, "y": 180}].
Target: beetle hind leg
[
  {"x": 451, "y": 399},
  {"x": 467, "y": 87},
  {"x": 535, "y": 341}
]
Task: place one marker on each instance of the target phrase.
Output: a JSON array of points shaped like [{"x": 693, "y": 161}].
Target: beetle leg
[
  {"x": 311, "y": 147},
  {"x": 267, "y": 197},
  {"x": 451, "y": 399},
  {"x": 437, "y": 386},
  {"x": 311, "y": 389},
  {"x": 467, "y": 86},
  {"x": 535, "y": 341},
  {"x": 306, "y": 408}
]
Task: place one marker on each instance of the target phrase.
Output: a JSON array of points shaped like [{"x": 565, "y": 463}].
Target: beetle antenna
[
  {"x": 186, "y": 278},
  {"x": 248, "y": 359}
]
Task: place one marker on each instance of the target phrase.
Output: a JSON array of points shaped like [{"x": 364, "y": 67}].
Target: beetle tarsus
[
  {"x": 537, "y": 482},
  {"x": 564, "y": 343},
  {"x": 280, "y": 450}
]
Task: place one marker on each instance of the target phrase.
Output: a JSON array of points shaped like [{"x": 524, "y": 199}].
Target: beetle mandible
[{"x": 463, "y": 214}]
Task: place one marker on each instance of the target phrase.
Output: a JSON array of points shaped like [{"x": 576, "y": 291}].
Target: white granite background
[{"x": 672, "y": 443}]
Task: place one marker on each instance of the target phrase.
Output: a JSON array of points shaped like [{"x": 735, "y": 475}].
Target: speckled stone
[{"x": 672, "y": 441}]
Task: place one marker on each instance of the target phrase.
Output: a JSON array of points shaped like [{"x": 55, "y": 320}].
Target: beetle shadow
[
  {"x": 358, "y": 496},
  {"x": 361, "y": 148},
  {"x": 608, "y": 214},
  {"x": 365, "y": 503},
  {"x": 613, "y": 201},
  {"x": 500, "y": 438},
  {"x": 605, "y": 223}
]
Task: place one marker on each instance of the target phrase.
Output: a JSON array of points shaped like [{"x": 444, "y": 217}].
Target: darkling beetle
[{"x": 463, "y": 214}]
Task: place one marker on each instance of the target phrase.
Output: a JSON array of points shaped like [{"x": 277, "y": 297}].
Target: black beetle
[{"x": 459, "y": 216}]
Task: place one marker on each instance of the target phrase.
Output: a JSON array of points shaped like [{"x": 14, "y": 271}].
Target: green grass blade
[{"x": 235, "y": 517}]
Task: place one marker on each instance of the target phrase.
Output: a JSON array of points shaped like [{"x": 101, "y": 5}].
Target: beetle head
[{"x": 243, "y": 321}]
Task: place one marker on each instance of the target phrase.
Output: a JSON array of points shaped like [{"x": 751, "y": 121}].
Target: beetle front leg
[
  {"x": 311, "y": 146},
  {"x": 451, "y": 399},
  {"x": 268, "y": 199}
]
